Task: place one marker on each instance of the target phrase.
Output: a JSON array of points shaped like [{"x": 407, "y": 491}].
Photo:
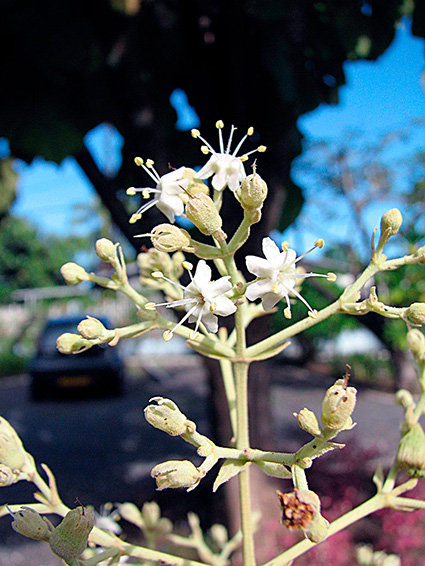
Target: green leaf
[{"x": 229, "y": 470}]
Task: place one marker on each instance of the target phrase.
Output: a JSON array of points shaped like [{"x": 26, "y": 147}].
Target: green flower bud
[
  {"x": 416, "y": 313},
  {"x": 13, "y": 455},
  {"x": 252, "y": 192},
  {"x": 201, "y": 210},
  {"x": 106, "y": 250},
  {"x": 169, "y": 238},
  {"x": 74, "y": 273},
  {"x": 420, "y": 253},
  {"x": 411, "y": 450},
  {"x": 176, "y": 473},
  {"x": 151, "y": 514},
  {"x": 308, "y": 422},
  {"x": 338, "y": 405},
  {"x": 317, "y": 530},
  {"x": 91, "y": 329},
  {"x": 131, "y": 513},
  {"x": 69, "y": 539},
  {"x": 391, "y": 221},
  {"x": 69, "y": 343},
  {"x": 415, "y": 341},
  {"x": 30, "y": 524},
  {"x": 404, "y": 398},
  {"x": 166, "y": 416}
]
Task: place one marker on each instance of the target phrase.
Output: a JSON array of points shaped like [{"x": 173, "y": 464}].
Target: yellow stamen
[
  {"x": 244, "y": 158},
  {"x": 131, "y": 191},
  {"x": 319, "y": 243},
  {"x": 213, "y": 307},
  {"x": 193, "y": 335},
  {"x": 250, "y": 131},
  {"x": 219, "y": 124},
  {"x": 205, "y": 150},
  {"x": 150, "y": 163},
  {"x": 285, "y": 246},
  {"x": 276, "y": 287},
  {"x": 187, "y": 265},
  {"x": 146, "y": 193},
  {"x": 287, "y": 312},
  {"x": 167, "y": 335},
  {"x": 150, "y": 306},
  {"x": 138, "y": 161},
  {"x": 331, "y": 277},
  {"x": 195, "y": 133},
  {"x": 261, "y": 148},
  {"x": 313, "y": 314},
  {"x": 135, "y": 217},
  {"x": 157, "y": 274}
]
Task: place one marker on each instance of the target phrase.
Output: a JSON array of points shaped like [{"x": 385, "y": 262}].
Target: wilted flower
[
  {"x": 31, "y": 524},
  {"x": 168, "y": 191},
  {"x": 277, "y": 276},
  {"x": 227, "y": 168},
  {"x": 203, "y": 299},
  {"x": 69, "y": 538}
]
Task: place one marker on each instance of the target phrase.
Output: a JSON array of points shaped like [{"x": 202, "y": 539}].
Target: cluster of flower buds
[
  {"x": 68, "y": 540},
  {"x": 367, "y": 557},
  {"x": 301, "y": 511},
  {"x": 15, "y": 462}
]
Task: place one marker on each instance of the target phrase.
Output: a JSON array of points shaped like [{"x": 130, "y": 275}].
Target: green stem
[{"x": 230, "y": 390}]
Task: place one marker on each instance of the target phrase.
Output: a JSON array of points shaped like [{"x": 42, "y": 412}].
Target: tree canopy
[{"x": 72, "y": 65}]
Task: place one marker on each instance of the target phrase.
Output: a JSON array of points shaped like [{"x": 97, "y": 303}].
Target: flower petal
[
  {"x": 211, "y": 322},
  {"x": 269, "y": 300},
  {"x": 202, "y": 274},
  {"x": 271, "y": 252},
  {"x": 259, "y": 266},
  {"x": 224, "y": 306}
]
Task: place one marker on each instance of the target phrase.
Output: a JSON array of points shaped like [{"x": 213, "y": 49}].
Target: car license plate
[{"x": 74, "y": 381}]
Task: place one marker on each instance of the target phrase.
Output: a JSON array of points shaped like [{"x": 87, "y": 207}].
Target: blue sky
[{"x": 379, "y": 97}]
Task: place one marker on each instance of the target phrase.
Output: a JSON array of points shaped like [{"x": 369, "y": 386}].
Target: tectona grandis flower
[
  {"x": 277, "y": 276},
  {"x": 226, "y": 168},
  {"x": 168, "y": 191},
  {"x": 203, "y": 299}
]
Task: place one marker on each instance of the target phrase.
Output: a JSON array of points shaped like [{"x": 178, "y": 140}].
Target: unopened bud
[
  {"x": 13, "y": 454},
  {"x": 131, "y": 513},
  {"x": 169, "y": 238},
  {"x": 416, "y": 313},
  {"x": 308, "y": 421},
  {"x": 411, "y": 450},
  {"x": 415, "y": 341},
  {"x": 166, "y": 416},
  {"x": 391, "y": 221},
  {"x": 69, "y": 539},
  {"x": 404, "y": 398},
  {"x": 74, "y": 273},
  {"x": 420, "y": 253},
  {"x": 338, "y": 405},
  {"x": 317, "y": 530},
  {"x": 252, "y": 192},
  {"x": 69, "y": 343},
  {"x": 219, "y": 535},
  {"x": 151, "y": 514},
  {"x": 176, "y": 473},
  {"x": 106, "y": 250},
  {"x": 202, "y": 211},
  {"x": 92, "y": 329},
  {"x": 30, "y": 524}
]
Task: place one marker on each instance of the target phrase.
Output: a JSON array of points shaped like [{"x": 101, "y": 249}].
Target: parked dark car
[{"x": 98, "y": 370}]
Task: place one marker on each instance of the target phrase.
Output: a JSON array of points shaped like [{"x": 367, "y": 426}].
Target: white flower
[
  {"x": 227, "y": 168},
  {"x": 203, "y": 299},
  {"x": 277, "y": 276},
  {"x": 168, "y": 191}
]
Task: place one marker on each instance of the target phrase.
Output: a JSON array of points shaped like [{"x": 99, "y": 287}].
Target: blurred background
[{"x": 335, "y": 90}]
